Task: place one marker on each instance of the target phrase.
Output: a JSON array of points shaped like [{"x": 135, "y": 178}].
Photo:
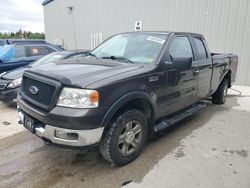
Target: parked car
[
  {"x": 21, "y": 41},
  {"x": 26, "y": 41},
  {"x": 130, "y": 86},
  {"x": 24, "y": 54},
  {"x": 10, "y": 81}
]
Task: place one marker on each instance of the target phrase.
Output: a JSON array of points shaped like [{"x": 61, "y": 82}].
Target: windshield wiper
[{"x": 119, "y": 58}]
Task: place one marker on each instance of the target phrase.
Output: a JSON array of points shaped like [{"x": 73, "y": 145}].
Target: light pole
[{"x": 70, "y": 8}]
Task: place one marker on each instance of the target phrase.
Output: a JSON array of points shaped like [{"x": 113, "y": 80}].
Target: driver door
[{"x": 181, "y": 87}]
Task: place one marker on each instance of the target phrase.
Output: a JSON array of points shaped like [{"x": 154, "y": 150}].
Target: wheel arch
[
  {"x": 137, "y": 100},
  {"x": 228, "y": 77}
]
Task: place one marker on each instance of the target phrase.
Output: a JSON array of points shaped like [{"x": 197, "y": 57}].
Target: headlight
[
  {"x": 15, "y": 83},
  {"x": 78, "y": 98}
]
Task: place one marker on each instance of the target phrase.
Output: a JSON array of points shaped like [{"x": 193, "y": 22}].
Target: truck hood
[
  {"x": 83, "y": 72},
  {"x": 15, "y": 74}
]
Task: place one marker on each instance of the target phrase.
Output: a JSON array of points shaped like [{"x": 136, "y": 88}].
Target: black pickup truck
[{"x": 130, "y": 86}]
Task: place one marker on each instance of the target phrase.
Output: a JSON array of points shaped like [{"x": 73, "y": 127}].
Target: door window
[
  {"x": 180, "y": 48},
  {"x": 38, "y": 50},
  {"x": 19, "y": 52},
  {"x": 201, "y": 50}
]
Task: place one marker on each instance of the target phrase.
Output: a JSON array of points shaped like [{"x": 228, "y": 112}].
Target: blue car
[
  {"x": 26, "y": 41},
  {"x": 19, "y": 55},
  {"x": 10, "y": 81},
  {"x": 21, "y": 41}
]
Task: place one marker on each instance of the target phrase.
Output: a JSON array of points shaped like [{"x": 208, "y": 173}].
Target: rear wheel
[
  {"x": 219, "y": 97},
  {"x": 123, "y": 141}
]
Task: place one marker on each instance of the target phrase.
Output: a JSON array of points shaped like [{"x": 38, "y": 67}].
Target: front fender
[{"x": 123, "y": 100}]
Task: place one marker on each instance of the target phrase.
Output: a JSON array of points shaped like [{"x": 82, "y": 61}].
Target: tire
[
  {"x": 219, "y": 97},
  {"x": 123, "y": 140},
  {"x": 12, "y": 104}
]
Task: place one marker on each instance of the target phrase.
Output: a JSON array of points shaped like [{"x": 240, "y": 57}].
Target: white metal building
[{"x": 83, "y": 24}]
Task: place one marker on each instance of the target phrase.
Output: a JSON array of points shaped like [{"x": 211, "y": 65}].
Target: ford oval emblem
[{"x": 33, "y": 90}]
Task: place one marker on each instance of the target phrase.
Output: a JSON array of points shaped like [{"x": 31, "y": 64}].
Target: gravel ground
[{"x": 209, "y": 149}]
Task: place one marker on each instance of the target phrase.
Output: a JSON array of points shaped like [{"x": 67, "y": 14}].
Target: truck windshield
[{"x": 132, "y": 47}]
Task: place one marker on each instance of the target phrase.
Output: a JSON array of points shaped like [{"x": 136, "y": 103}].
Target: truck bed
[{"x": 223, "y": 62}]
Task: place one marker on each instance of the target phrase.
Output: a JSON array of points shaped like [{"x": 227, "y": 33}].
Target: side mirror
[
  {"x": 181, "y": 59},
  {"x": 181, "y": 63}
]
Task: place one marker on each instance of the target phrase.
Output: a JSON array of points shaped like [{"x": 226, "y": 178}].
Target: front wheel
[
  {"x": 220, "y": 96},
  {"x": 123, "y": 141}
]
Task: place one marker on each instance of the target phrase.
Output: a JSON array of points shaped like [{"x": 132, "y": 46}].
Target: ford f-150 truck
[{"x": 130, "y": 86}]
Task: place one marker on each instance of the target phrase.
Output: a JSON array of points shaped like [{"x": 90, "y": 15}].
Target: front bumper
[
  {"x": 66, "y": 118},
  {"x": 81, "y": 137}
]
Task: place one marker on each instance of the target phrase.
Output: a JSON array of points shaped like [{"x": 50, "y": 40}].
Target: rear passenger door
[
  {"x": 18, "y": 59},
  {"x": 202, "y": 67}
]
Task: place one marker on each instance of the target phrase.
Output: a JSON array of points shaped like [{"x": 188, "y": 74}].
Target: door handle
[{"x": 196, "y": 70}]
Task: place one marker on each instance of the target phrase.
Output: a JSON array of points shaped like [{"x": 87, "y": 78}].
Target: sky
[{"x": 21, "y": 14}]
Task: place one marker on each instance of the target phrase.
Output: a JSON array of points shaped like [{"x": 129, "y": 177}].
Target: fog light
[{"x": 66, "y": 135}]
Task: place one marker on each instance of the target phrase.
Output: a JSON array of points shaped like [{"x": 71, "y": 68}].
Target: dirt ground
[{"x": 209, "y": 149}]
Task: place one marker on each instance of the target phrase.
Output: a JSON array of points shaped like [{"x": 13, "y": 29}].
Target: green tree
[{"x": 22, "y": 35}]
